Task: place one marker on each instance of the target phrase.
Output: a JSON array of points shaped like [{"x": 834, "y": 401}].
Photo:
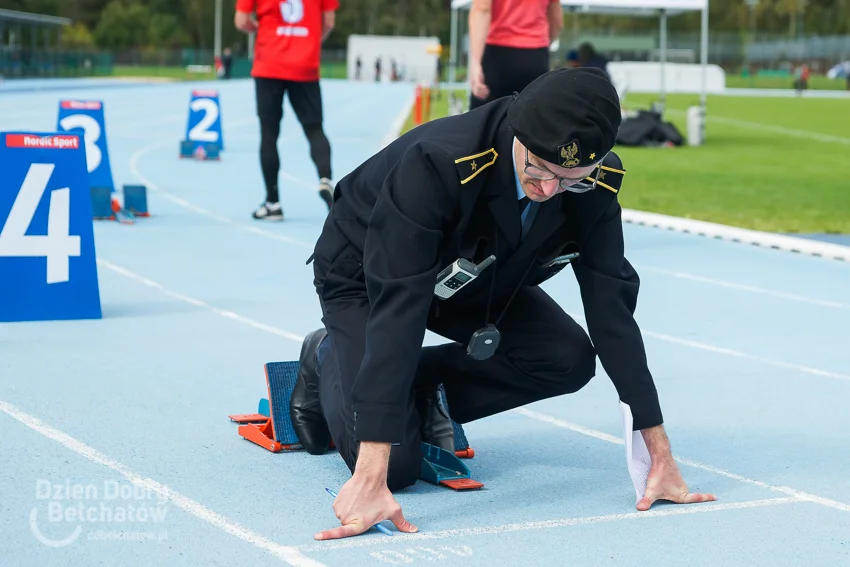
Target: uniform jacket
[{"x": 445, "y": 190}]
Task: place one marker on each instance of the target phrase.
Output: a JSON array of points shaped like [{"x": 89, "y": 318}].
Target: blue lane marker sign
[
  {"x": 47, "y": 253},
  {"x": 204, "y": 125},
  {"x": 86, "y": 117}
]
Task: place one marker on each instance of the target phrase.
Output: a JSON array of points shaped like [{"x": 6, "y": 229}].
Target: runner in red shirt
[
  {"x": 509, "y": 45},
  {"x": 287, "y": 53}
]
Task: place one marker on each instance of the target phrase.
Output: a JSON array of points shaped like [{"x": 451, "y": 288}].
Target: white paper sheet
[{"x": 637, "y": 455}]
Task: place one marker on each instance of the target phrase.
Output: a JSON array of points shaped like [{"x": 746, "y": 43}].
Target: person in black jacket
[{"x": 529, "y": 179}]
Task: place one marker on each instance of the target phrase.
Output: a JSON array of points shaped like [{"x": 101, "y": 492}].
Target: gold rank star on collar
[{"x": 468, "y": 167}]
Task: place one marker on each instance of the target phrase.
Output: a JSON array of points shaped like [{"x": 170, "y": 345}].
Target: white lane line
[
  {"x": 738, "y": 354},
  {"x": 770, "y": 128},
  {"x": 731, "y": 352},
  {"x": 780, "y": 130},
  {"x": 350, "y": 108},
  {"x": 134, "y": 170},
  {"x": 198, "y": 303},
  {"x": 528, "y": 413},
  {"x": 398, "y": 123},
  {"x": 742, "y": 287},
  {"x": 773, "y": 241},
  {"x": 403, "y": 538},
  {"x": 797, "y": 494},
  {"x": 294, "y": 337},
  {"x": 289, "y": 555}
]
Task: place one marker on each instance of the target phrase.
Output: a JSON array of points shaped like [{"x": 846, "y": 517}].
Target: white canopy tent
[{"x": 638, "y": 8}]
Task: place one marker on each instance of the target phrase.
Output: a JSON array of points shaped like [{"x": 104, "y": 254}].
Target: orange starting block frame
[{"x": 264, "y": 434}]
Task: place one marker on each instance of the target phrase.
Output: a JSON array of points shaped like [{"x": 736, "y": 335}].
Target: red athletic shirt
[
  {"x": 289, "y": 39},
  {"x": 519, "y": 23}
]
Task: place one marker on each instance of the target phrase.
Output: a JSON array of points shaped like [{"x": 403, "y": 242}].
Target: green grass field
[
  {"x": 748, "y": 174},
  {"x": 330, "y": 70},
  {"x": 176, "y": 73},
  {"x": 816, "y": 82},
  {"x": 773, "y": 164}
]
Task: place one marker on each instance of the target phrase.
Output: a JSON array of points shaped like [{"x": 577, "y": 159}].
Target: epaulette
[
  {"x": 608, "y": 177},
  {"x": 470, "y": 166}
]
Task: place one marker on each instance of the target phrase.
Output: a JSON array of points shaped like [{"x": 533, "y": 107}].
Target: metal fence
[
  {"x": 19, "y": 63},
  {"x": 819, "y": 52},
  {"x": 732, "y": 51}
]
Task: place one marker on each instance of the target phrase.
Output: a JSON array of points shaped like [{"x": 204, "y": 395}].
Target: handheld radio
[{"x": 458, "y": 274}]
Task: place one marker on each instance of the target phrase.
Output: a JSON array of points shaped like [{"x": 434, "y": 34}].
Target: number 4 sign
[
  {"x": 204, "y": 125},
  {"x": 47, "y": 253},
  {"x": 86, "y": 117}
]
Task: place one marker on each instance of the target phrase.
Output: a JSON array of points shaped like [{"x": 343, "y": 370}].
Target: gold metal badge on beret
[{"x": 570, "y": 155}]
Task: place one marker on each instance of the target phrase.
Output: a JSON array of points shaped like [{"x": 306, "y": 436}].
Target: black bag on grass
[{"x": 648, "y": 129}]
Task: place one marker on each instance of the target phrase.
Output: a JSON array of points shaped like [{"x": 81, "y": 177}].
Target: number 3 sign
[
  {"x": 47, "y": 254},
  {"x": 86, "y": 117}
]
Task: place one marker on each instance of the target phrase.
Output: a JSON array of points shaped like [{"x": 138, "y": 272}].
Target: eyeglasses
[{"x": 575, "y": 185}]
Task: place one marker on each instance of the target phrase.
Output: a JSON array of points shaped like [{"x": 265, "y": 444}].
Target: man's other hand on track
[{"x": 665, "y": 481}]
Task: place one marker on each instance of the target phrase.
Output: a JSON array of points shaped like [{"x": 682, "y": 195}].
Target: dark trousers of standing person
[
  {"x": 543, "y": 353},
  {"x": 306, "y": 101},
  {"x": 509, "y": 69}
]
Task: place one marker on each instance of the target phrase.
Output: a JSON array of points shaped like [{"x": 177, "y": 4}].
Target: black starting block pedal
[
  {"x": 136, "y": 200},
  {"x": 106, "y": 207},
  {"x": 200, "y": 150},
  {"x": 101, "y": 203}
]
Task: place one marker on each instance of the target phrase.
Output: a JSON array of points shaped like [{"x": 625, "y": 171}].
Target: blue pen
[{"x": 379, "y": 526}]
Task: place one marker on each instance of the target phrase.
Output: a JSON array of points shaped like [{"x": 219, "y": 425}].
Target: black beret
[{"x": 569, "y": 117}]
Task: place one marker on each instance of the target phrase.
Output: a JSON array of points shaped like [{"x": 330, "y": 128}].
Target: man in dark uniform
[{"x": 528, "y": 179}]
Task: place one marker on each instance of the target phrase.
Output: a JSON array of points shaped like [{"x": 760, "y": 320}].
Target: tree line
[{"x": 127, "y": 24}]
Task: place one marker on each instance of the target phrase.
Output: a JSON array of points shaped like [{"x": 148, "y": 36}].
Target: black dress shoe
[
  {"x": 305, "y": 411},
  {"x": 435, "y": 424}
]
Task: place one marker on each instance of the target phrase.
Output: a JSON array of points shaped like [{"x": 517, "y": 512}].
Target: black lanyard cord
[{"x": 516, "y": 289}]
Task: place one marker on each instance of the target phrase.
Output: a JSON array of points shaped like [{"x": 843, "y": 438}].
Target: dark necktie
[{"x": 523, "y": 203}]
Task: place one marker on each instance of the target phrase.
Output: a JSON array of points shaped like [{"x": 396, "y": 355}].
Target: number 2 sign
[
  {"x": 86, "y": 117},
  {"x": 204, "y": 125},
  {"x": 47, "y": 253}
]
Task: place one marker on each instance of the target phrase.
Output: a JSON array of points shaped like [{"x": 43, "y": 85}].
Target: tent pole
[
  {"x": 662, "y": 47},
  {"x": 704, "y": 55},
  {"x": 453, "y": 53}
]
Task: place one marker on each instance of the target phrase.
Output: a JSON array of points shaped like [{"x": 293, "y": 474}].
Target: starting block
[
  {"x": 105, "y": 206},
  {"x": 276, "y": 433},
  {"x": 101, "y": 203},
  {"x": 443, "y": 467},
  {"x": 271, "y": 428},
  {"x": 136, "y": 200},
  {"x": 200, "y": 150}
]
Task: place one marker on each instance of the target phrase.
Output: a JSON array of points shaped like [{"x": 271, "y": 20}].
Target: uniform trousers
[
  {"x": 543, "y": 353},
  {"x": 306, "y": 100},
  {"x": 509, "y": 69}
]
